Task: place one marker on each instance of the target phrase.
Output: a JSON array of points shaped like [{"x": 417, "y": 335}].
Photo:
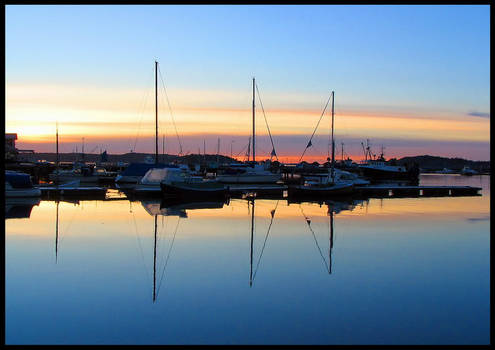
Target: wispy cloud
[{"x": 479, "y": 114}]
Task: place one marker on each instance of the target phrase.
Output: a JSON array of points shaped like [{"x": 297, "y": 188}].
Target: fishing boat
[
  {"x": 380, "y": 169},
  {"x": 324, "y": 186},
  {"x": 252, "y": 172},
  {"x": 19, "y": 185}
]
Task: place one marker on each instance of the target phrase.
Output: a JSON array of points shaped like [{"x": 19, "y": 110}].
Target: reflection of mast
[
  {"x": 252, "y": 236},
  {"x": 330, "y": 213},
  {"x": 56, "y": 235},
  {"x": 154, "y": 264}
]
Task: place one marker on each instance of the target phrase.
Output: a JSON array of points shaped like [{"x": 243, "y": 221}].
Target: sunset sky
[{"x": 414, "y": 79}]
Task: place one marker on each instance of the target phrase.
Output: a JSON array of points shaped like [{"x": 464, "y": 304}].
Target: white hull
[{"x": 248, "y": 179}]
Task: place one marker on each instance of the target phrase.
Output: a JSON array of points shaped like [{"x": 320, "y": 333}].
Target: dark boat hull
[
  {"x": 320, "y": 191},
  {"x": 378, "y": 174},
  {"x": 175, "y": 190}
]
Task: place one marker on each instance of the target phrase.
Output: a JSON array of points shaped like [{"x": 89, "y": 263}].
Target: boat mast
[
  {"x": 333, "y": 142},
  {"x": 156, "y": 112},
  {"x": 254, "y": 141},
  {"x": 57, "y": 159}
]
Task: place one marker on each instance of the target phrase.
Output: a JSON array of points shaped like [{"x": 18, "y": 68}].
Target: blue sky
[{"x": 432, "y": 59}]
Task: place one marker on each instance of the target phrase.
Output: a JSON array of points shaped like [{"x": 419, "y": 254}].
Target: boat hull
[
  {"x": 193, "y": 190},
  {"x": 321, "y": 191},
  {"x": 22, "y": 193},
  {"x": 249, "y": 179},
  {"x": 379, "y": 174}
]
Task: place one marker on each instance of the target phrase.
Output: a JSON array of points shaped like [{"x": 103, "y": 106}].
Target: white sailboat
[
  {"x": 253, "y": 173},
  {"x": 328, "y": 185}
]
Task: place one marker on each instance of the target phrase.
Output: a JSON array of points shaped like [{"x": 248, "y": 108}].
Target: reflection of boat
[
  {"x": 252, "y": 274},
  {"x": 178, "y": 207},
  {"x": 19, "y": 185},
  {"x": 19, "y": 208},
  {"x": 154, "y": 208},
  {"x": 336, "y": 205},
  {"x": 333, "y": 208}
]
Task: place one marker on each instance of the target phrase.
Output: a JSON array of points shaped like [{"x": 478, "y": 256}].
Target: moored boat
[
  {"x": 18, "y": 185},
  {"x": 179, "y": 184}
]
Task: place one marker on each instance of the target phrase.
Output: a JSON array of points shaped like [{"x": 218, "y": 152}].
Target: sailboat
[
  {"x": 71, "y": 188},
  {"x": 324, "y": 186},
  {"x": 251, "y": 173},
  {"x": 135, "y": 171}
]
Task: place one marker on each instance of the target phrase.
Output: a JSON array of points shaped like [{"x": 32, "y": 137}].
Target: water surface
[{"x": 380, "y": 271}]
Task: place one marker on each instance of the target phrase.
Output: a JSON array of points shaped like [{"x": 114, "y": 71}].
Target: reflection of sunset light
[{"x": 92, "y": 218}]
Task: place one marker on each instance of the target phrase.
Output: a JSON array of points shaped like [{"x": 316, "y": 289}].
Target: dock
[
  {"x": 259, "y": 190},
  {"x": 384, "y": 191},
  {"x": 73, "y": 192}
]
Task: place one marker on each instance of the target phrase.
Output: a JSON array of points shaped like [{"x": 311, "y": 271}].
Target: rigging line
[
  {"x": 266, "y": 122},
  {"x": 322, "y": 113},
  {"x": 242, "y": 150},
  {"x": 63, "y": 232},
  {"x": 140, "y": 249},
  {"x": 168, "y": 256},
  {"x": 170, "y": 108},
  {"x": 317, "y": 245},
  {"x": 266, "y": 237},
  {"x": 143, "y": 104}
]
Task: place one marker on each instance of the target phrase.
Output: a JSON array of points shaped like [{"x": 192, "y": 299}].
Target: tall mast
[
  {"x": 156, "y": 112},
  {"x": 333, "y": 142},
  {"x": 254, "y": 141},
  {"x": 57, "y": 160}
]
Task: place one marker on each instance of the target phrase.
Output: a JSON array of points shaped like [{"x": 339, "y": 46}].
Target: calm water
[{"x": 400, "y": 271}]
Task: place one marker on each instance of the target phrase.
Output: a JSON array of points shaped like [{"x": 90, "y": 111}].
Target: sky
[{"x": 413, "y": 79}]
